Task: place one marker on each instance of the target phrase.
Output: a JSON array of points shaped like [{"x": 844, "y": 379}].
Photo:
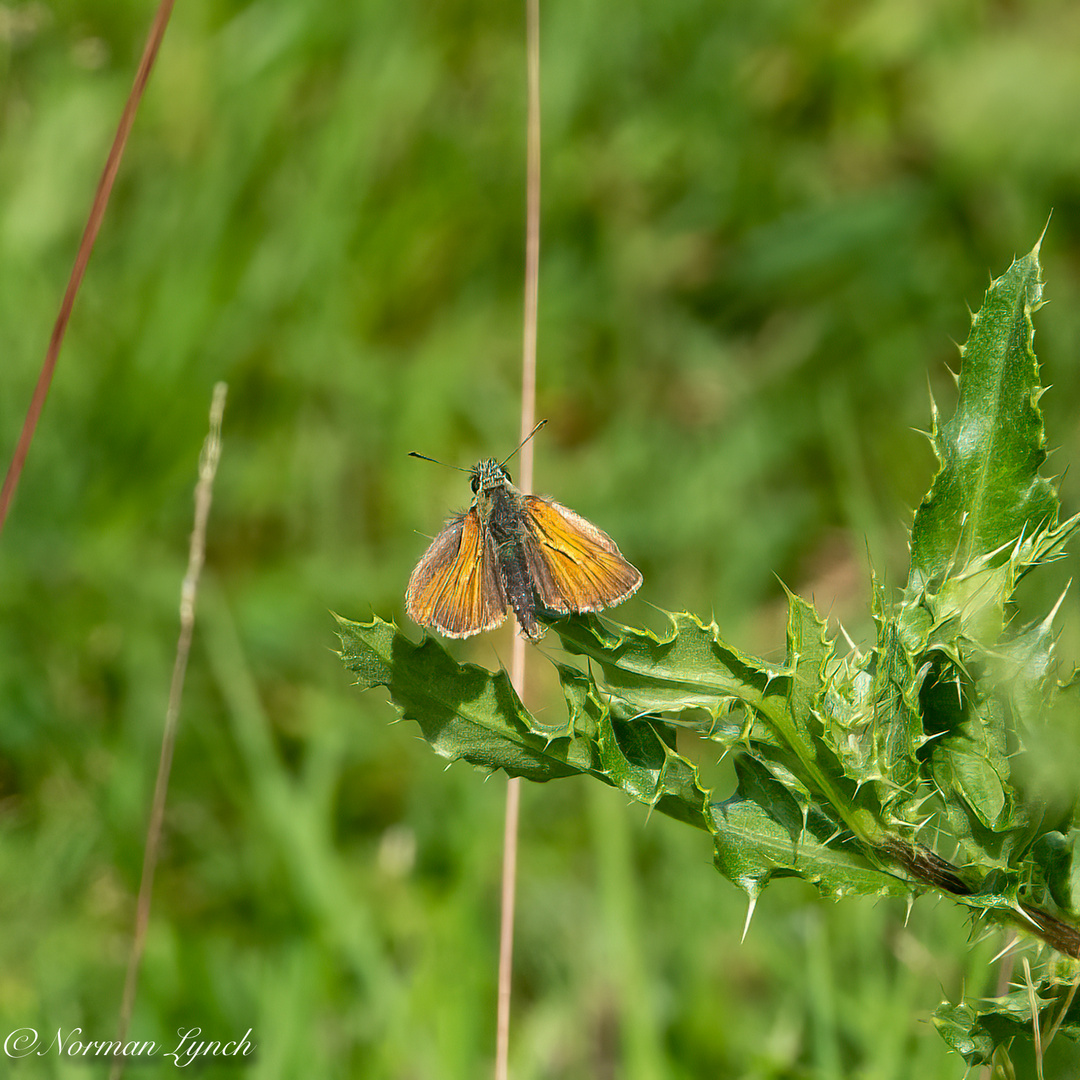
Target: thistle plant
[{"x": 890, "y": 770}]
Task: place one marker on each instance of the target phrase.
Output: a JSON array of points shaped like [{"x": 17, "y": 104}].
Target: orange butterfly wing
[
  {"x": 455, "y": 586},
  {"x": 574, "y": 566}
]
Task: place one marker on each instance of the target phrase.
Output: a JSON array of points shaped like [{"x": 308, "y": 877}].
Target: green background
[{"x": 761, "y": 224}]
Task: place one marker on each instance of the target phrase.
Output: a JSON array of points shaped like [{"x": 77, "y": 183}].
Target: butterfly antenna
[
  {"x": 436, "y": 461},
  {"x": 523, "y": 442}
]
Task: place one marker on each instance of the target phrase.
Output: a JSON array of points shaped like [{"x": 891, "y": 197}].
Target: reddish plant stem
[{"x": 82, "y": 256}]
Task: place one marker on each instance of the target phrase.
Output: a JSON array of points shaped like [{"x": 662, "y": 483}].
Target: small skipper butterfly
[{"x": 525, "y": 551}]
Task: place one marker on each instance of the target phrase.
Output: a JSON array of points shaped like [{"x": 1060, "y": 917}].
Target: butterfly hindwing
[
  {"x": 574, "y": 566},
  {"x": 456, "y": 586}
]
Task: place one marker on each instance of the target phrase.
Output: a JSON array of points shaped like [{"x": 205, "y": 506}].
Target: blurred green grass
[{"x": 760, "y": 225}]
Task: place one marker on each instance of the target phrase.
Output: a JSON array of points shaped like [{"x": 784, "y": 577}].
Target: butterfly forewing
[
  {"x": 574, "y": 566},
  {"x": 455, "y": 586}
]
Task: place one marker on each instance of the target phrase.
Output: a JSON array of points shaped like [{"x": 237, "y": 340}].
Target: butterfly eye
[
  {"x": 506, "y": 475},
  {"x": 474, "y": 483}
]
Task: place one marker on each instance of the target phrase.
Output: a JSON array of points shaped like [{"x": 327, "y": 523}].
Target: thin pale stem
[
  {"x": 208, "y": 462},
  {"x": 532, "y": 244},
  {"x": 82, "y": 256},
  {"x": 528, "y": 422},
  {"x": 1033, "y": 1001},
  {"x": 506, "y": 926}
]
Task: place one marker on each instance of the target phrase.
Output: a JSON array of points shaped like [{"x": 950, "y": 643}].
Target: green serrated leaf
[
  {"x": 988, "y": 490},
  {"x": 473, "y": 715},
  {"x": 784, "y": 801},
  {"x": 999, "y": 891},
  {"x": 959, "y": 1026},
  {"x": 967, "y": 609},
  {"x": 1024, "y": 668},
  {"x": 809, "y": 652},
  {"x": 691, "y": 667},
  {"x": 794, "y": 743},
  {"x": 464, "y": 712},
  {"x": 637, "y": 756},
  {"x": 762, "y": 832},
  {"x": 975, "y": 1033},
  {"x": 1056, "y": 862},
  {"x": 983, "y": 848},
  {"x": 897, "y": 729},
  {"x": 971, "y": 767},
  {"x": 848, "y": 714},
  {"x": 970, "y": 604},
  {"x": 873, "y": 719}
]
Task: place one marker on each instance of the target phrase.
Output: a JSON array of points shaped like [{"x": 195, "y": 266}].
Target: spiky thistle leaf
[{"x": 988, "y": 490}]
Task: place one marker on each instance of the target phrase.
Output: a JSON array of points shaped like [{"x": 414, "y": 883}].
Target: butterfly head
[{"x": 487, "y": 475}]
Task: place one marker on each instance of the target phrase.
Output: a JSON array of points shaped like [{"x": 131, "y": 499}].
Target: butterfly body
[
  {"x": 502, "y": 511},
  {"x": 525, "y": 551}
]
